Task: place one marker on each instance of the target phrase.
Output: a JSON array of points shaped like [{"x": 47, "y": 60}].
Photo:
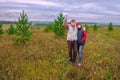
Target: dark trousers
[{"x": 72, "y": 48}]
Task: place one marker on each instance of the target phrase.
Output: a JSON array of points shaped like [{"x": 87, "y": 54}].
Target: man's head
[
  {"x": 78, "y": 25},
  {"x": 73, "y": 23}
]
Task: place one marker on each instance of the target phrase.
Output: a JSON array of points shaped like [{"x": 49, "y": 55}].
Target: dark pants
[{"x": 72, "y": 48}]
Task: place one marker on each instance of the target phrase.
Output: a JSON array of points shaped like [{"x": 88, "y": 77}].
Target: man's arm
[{"x": 65, "y": 24}]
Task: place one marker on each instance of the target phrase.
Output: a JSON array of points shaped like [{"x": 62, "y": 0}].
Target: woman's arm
[{"x": 85, "y": 35}]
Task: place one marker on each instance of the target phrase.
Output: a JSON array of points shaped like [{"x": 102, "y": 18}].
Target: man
[{"x": 71, "y": 39}]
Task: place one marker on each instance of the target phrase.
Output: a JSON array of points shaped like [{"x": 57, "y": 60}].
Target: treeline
[
  {"x": 41, "y": 24},
  {"x": 7, "y": 22},
  {"x": 32, "y": 22}
]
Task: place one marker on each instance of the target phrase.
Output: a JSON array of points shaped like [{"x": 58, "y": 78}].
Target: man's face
[
  {"x": 73, "y": 23},
  {"x": 79, "y": 26}
]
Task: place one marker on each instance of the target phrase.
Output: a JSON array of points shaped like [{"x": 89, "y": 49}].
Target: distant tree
[
  {"x": 23, "y": 29},
  {"x": 48, "y": 27},
  {"x": 58, "y": 27},
  {"x": 110, "y": 26},
  {"x": 95, "y": 27},
  {"x": 1, "y": 30},
  {"x": 11, "y": 30},
  {"x": 87, "y": 27}
]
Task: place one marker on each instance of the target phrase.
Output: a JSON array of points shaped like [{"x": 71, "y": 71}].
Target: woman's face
[{"x": 79, "y": 26}]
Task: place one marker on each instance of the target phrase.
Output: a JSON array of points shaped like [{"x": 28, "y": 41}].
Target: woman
[{"x": 81, "y": 41}]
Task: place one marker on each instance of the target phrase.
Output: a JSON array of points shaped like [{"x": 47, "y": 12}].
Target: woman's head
[{"x": 79, "y": 25}]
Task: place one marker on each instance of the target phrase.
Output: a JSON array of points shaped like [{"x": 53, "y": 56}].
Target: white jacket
[{"x": 72, "y": 33}]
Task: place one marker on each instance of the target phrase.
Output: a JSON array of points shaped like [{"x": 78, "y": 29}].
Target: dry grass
[{"x": 45, "y": 57}]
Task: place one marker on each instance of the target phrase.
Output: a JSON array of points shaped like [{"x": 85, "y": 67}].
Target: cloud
[
  {"x": 37, "y": 2},
  {"x": 83, "y": 10},
  {"x": 91, "y": 7}
]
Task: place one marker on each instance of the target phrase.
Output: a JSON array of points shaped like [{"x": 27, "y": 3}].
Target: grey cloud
[{"x": 83, "y": 10}]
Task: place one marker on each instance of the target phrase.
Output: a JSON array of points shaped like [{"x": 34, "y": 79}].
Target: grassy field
[{"x": 45, "y": 57}]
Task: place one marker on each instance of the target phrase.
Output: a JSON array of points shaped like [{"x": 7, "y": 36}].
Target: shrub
[
  {"x": 11, "y": 30},
  {"x": 110, "y": 26},
  {"x": 95, "y": 27},
  {"x": 87, "y": 27},
  {"x": 48, "y": 27},
  {"x": 1, "y": 30}
]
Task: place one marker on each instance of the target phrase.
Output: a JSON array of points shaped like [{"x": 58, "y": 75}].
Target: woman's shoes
[{"x": 79, "y": 64}]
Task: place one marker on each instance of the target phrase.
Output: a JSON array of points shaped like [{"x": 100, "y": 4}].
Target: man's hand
[{"x": 66, "y": 17}]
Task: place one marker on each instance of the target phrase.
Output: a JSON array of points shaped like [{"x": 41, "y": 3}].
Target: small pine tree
[
  {"x": 95, "y": 27},
  {"x": 110, "y": 26},
  {"x": 1, "y": 30},
  {"x": 58, "y": 27},
  {"x": 11, "y": 30},
  {"x": 23, "y": 29},
  {"x": 87, "y": 27}
]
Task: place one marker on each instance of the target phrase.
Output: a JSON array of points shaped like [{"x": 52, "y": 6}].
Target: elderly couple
[{"x": 76, "y": 37}]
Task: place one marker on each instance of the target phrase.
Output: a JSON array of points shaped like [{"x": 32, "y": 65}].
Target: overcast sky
[{"x": 47, "y": 10}]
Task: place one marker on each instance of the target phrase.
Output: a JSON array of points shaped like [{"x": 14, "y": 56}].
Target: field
[{"x": 45, "y": 57}]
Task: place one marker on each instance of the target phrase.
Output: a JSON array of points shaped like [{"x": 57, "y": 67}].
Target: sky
[{"x": 48, "y": 10}]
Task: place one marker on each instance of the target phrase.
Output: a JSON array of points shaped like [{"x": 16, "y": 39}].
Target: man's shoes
[
  {"x": 74, "y": 60},
  {"x": 70, "y": 60}
]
